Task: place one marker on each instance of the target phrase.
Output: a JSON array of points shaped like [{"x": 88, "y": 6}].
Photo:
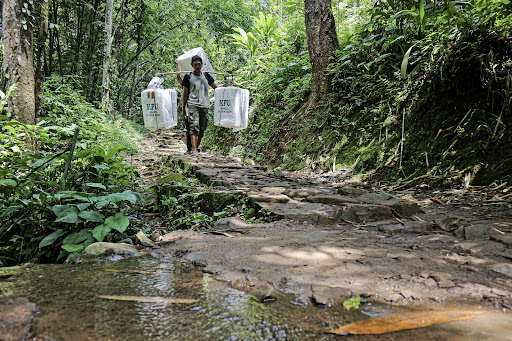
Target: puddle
[{"x": 70, "y": 308}]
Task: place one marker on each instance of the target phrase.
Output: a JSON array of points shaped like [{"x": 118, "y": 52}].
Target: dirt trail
[{"x": 335, "y": 238}]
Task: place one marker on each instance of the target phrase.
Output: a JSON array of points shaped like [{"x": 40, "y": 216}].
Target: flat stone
[
  {"x": 359, "y": 213},
  {"x": 502, "y": 238},
  {"x": 503, "y": 268},
  {"x": 443, "y": 279},
  {"x": 332, "y": 199},
  {"x": 413, "y": 227},
  {"x": 404, "y": 208},
  {"x": 234, "y": 223},
  {"x": 479, "y": 232},
  {"x": 393, "y": 298},
  {"x": 448, "y": 223},
  {"x": 176, "y": 235},
  {"x": 302, "y": 192},
  {"x": 206, "y": 174},
  {"x": 507, "y": 254},
  {"x": 409, "y": 294},
  {"x": 351, "y": 191},
  {"x": 479, "y": 248},
  {"x": 313, "y": 213},
  {"x": 437, "y": 238},
  {"x": 273, "y": 190},
  {"x": 373, "y": 198},
  {"x": 326, "y": 295},
  {"x": 255, "y": 287},
  {"x": 16, "y": 318},
  {"x": 104, "y": 248},
  {"x": 266, "y": 197}
]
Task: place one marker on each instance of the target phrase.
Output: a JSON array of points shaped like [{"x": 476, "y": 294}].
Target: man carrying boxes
[{"x": 195, "y": 94}]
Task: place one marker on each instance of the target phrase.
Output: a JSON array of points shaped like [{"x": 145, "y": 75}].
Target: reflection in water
[{"x": 70, "y": 309}]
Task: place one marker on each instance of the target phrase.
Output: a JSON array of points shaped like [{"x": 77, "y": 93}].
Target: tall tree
[
  {"x": 322, "y": 42},
  {"x": 105, "y": 83},
  {"x": 18, "y": 58},
  {"x": 42, "y": 35}
]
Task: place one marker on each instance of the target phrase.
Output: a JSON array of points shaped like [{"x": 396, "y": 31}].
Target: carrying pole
[{"x": 175, "y": 73}]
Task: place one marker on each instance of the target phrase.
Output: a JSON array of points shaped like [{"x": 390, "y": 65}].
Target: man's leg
[
  {"x": 203, "y": 122},
  {"x": 194, "y": 127}
]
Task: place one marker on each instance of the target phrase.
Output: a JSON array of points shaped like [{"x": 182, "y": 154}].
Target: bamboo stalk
[{"x": 178, "y": 72}]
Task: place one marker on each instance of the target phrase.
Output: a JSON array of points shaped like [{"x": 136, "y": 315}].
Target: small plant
[{"x": 352, "y": 303}]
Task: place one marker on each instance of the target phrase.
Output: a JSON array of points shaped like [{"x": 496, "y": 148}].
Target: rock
[
  {"x": 352, "y": 191},
  {"x": 507, "y": 254},
  {"x": 325, "y": 295},
  {"x": 502, "y": 238},
  {"x": 478, "y": 232},
  {"x": 143, "y": 239},
  {"x": 103, "y": 248},
  {"x": 255, "y": 287},
  {"x": 16, "y": 318},
  {"x": 404, "y": 208},
  {"x": 503, "y": 268},
  {"x": 313, "y": 213},
  {"x": 233, "y": 223},
  {"x": 443, "y": 279},
  {"x": 273, "y": 190},
  {"x": 176, "y": 235},
  {"x": 409, "y": 227},
  {"x": 448, "y": 223},
  {"x": 266, "y": 197},
  {"x": 359, "y": 213},
  {"x": 302, "y": 192},
  {"x": 478, "y": 248},
  {"x": 331, "y": 199},
  {"x": 373, "y": 198},
  {"x": 409, "y": 294},
  {"x": 393, "y": 298}
]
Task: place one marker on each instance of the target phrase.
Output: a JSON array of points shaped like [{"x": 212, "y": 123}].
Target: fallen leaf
[
  {"x": 403, "y": 321},
  {"x": 352, "y": 303},
  {"x": 392, "y": 256},
  {"x": 155, "y": 299},
  {"x": 438, "y": 201},
  {"x": 142, "y": 272}
]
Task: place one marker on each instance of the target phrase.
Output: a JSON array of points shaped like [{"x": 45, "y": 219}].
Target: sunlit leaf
[
  {"x": 73, "y": 247},
  {"x": 100, "y": 232},
  {"x": 352, "y": 303},
  {"x": 118, "y": 222},
  {"x": 77, "y": 237},
  {"x": 151, "y": 299},
  {"x": 95, "y": 185},
  {"x": 403, "y": 321}
]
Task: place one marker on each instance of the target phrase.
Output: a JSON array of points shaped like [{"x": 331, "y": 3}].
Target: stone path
[{"x": 336, "y": 239}]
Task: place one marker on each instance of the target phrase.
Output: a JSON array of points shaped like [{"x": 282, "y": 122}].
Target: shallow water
[{"x": 70, "y": 308}]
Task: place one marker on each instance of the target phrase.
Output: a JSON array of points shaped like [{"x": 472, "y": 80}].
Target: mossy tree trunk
[
  {"x": 322, "y": 42},
  {"x": 18, "y": 58}
]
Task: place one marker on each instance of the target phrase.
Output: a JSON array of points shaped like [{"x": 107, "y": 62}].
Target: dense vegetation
[{"x": 419, "y": 88}]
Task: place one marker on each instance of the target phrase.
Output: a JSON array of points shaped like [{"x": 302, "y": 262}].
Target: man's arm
[
  {"x": 185, "y": 99},
  {"x": 212, "y": 82},
  {"x": 178, "y": 75}
]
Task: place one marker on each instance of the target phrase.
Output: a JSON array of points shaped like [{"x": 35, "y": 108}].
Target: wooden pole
[{"x": 175, "y": 73}]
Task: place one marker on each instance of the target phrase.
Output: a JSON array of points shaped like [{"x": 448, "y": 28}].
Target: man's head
[{"x": 196, "y": 62}]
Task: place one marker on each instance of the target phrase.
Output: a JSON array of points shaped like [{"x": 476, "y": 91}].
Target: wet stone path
[{"x": 335, "y": 239}]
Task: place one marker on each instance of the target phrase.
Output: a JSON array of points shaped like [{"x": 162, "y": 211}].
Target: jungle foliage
[{"x": 420, "y": 87}]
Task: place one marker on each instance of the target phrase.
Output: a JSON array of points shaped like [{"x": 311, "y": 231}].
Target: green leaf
[
  {"x": 8, "y": 182},
  {"x": 405, "y": 62},
  {"x": 83, "y": 206},
  {"x": 100, "y": 232},
  {"x": 352, "y": 303},
  {"x": 118, "y": 222},
  {"x": 92, "y": 216},
  {"x": 69, "y": 215},
  {"x": 113, "y": 152},
  {"x": 73, "y": 247},
  {"x": 77, "y": 237},
  {"x": 96, "y": 185},
  {"x": 58, "y": 209},
  {"x": 51, "y": 238},
  {"x": 126, "y": 195},
  {"x": 99, "y": 155}
]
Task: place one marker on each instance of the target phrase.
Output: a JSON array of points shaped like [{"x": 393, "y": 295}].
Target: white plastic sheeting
[
  {"x": 159, "y": 108},
  {"x": 156, "y": 83},
  {"x": 231, "y": 109},
  {"x": 185, "y": 59}
]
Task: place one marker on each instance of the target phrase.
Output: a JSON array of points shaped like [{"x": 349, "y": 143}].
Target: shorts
[{"x": 198, "y": 120}]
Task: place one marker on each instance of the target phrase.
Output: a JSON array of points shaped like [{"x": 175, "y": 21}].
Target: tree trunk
[
  {"x": 40, "y": 57},
  {"x": 322, "y": 42},
  {"x": 105, "y": 83},
  {"x": 18, "y": 59}
]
